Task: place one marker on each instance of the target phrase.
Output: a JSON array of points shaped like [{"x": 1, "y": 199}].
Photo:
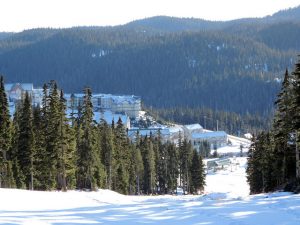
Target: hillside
[{"x": 182, "y": 62}]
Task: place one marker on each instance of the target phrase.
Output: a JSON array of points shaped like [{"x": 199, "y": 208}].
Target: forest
[
  {"x": 42, "y": 149},
  {"x": 274, "y": 162}
]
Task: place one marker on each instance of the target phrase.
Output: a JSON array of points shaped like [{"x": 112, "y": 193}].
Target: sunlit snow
[{"x": 225, "y": 201}]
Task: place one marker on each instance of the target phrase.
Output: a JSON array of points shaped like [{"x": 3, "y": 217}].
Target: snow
[{"x": 226, "y": 201}]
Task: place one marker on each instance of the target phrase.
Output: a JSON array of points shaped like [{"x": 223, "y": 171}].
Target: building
[
  {"x": 216, "y": 139},
  {"x": 16, "y": 91},
  {"x": 106, "y": 106},
  {"x": 128, "y": 104},
  {"x": 191, "y": 129}
]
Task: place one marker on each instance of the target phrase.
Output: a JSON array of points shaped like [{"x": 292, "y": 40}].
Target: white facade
[
  {"x": 16, "y": 91},
  {"x": 128, "y": 104},
  {"x": 216, "y": 139}
]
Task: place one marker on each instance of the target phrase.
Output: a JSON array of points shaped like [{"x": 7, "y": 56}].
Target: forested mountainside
[{"x": 230, "y": 66}]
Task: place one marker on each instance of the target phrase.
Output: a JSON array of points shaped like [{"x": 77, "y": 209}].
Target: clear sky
[{"x": 17, "y": 15}]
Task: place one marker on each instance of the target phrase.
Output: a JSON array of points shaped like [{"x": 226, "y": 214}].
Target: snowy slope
[{"x": 226, "y": 201}]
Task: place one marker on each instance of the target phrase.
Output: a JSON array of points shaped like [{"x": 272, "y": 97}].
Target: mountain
[
  {"x": 232, "y": 66},
  {"x": 174, "y": 24},
  {"x": 4, "y": 35}
]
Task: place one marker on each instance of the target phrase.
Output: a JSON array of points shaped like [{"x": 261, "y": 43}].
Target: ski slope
[{"x": 226, "y": 201}]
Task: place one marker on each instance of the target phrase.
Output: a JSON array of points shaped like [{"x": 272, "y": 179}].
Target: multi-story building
[
  {"x": 16, "y": 91},
  {"x": 128, "y": 104},
  {"x": 109, "y": 106}
]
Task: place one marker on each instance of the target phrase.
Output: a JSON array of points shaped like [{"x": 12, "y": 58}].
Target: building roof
[
  {"x": 130, "y": 99},
  {"x": 193, "y": 126},
  {"x": 24, "y": 86},
  {"x": 176, "y": 129},
  {"x": 209, "y": 135}
]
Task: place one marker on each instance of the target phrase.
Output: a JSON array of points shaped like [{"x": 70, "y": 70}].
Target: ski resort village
[
  {"x": 224, "y": 198},
  {"x": 111, "y": 108}
]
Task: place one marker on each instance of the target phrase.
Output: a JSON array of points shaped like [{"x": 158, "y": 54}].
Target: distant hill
[
  {"x": 231, "y": 66},
  {"x": 4, "y": 35},
  {"x": 174, "y": 24}
]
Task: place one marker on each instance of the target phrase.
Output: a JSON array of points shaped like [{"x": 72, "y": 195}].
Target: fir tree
[
  {"x": 185, "y": 151},
  {"x": 172, "y": 167},
  {"x": 197, "y": 173},
  {"x": 66, "y": 150},
  {"x": 149, "y": 166},
  {"x": 26, "y": 144},
  {"x": 107, "y": 153},
  {"x": 52, "y": 137},
  {"x": 122, "y": 158},
  {"x": 296, "y": 117},
  {"x": 5, "y": 138},
  {"x": 87, "y": 153}
]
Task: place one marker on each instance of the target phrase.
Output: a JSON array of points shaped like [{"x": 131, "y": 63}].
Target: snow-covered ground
[
  {"x": 226, "y": 201},
  {"x": 235, "y": 147}
]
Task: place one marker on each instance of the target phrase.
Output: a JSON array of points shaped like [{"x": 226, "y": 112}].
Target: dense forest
[
  {"x": 274, "y": 161},
  {"x": 232, "y": 123},
  {"x": 42, "y": 149},
  {"x": 169, "y": 62}
]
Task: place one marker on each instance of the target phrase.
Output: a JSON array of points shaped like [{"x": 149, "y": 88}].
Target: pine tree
[
  {"x": 41, "y": 171},
  {"x": 5, "y": 138},
  {"x": 138, "y": 168},
  {"x": 66, "y": 150},
  {"x": 87, "y": 153},
  {"x": 26, "y": 144},
  {"x": 108, "y": 152},
  {"x": 197, "y": 173},
  {"x": 149, "y": 166},
  {"x": 122, "y": 158},
  {"x": 282, "y": 128},
  {"x": 14, "y": 149},
  {"x": 254, "y": 177},
  {"x": 296, "y": 117},
  {"x": 41, "y": 128},
  {"x": 52, "y": 140},
  {"x": 172, "y": 168},
  {"x": 185, "y": 151}
]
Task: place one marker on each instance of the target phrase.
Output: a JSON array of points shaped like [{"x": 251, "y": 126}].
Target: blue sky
[{"x": 17, "y": 15}]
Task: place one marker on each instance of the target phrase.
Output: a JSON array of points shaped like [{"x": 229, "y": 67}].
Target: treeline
[
  {"x": 43, "y": 149},
  {"x": 274, "y": 156},
  {"x": 230, "y": 122}
]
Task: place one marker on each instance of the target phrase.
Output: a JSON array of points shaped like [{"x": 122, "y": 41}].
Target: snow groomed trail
[{"x": 226, "y": 201}]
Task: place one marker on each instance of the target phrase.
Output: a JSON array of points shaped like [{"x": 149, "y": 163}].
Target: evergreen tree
[
  {"x": 42, "y": 123},
  {"x": 87, "y": 153},
  {"x": 41, "y": 172},
  {"x": 185, "y": 151},
  {"x": 14, "y": 149},
  {"x": 296, "y": 117},
  {"x": 282, "y": 128},
  {"x": 197, "y": 173},
  {"x": 149, "y": 165},
  {"x": 66, "y": 150},
  {"x": 122, "y": 158},
  {"x": 26, "y": 144},
  {"x": 138, "y": 168},
  {"x": 172, "y": 167},
  {"x": 108, "y": 155},
  {"x": 254, "y": 177},
  {"x": 5, "y": 138},
  {"x": 52, "y": 139}
]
